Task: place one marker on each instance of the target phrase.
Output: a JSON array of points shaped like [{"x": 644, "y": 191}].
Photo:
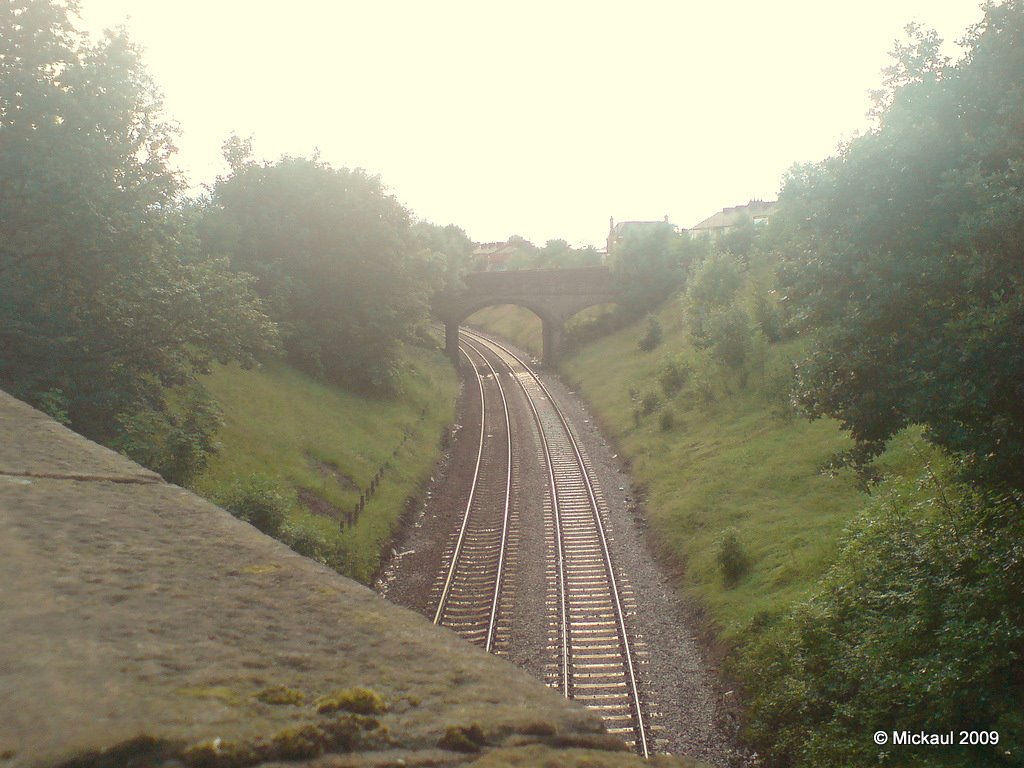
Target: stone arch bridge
[{"x": 554, "y": 295}]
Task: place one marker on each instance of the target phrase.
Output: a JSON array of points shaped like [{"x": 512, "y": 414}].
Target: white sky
[{"x": 534, "y": 118}]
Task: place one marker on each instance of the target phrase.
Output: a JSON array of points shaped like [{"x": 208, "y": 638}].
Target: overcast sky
[{"x": 534, "y": 118}]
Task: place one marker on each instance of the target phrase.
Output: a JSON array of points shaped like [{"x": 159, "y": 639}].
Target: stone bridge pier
[{"x": 554, "y": 295}]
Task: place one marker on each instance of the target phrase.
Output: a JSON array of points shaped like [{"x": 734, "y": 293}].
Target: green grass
[
  {"x": 739, "y": 461},
  {"x": 330, "y": 442},
  {"x": 518, "y": 325}
]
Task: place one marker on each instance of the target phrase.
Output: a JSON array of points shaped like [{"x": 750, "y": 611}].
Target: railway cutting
[{"x": 515, "y": 550}]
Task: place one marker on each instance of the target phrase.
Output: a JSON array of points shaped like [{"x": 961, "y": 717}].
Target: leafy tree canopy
[
  {"x": 906, "y": 252},
  {"x": 447, "y": 249},
  {"x": 334, "y": 258},
  {"x": 650, "y": 264},
  {"x": 104, "y": 301}
]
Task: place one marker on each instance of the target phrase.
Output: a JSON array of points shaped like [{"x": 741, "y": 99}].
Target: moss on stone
[
  {"x": 220, "y": 693},
  {"x": 297, "y": 743},
  {"x": 463, "y": 739},
  {"x": 538, "y": 728},
  {"x": 217, "y": 753},
  {"x": 360, "y": 701},
  {"x": 351, "y": 732},
  {"x": 280, "y": 695},
  {"x": 140, "y": 750}
]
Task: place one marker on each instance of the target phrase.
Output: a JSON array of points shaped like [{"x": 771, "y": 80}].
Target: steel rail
[
  {"x": 641, "y": 729},
  {"x": 560, "y": 552},
  {"x": 472, "y": 492},
  {"x": 453, "y": 568}
]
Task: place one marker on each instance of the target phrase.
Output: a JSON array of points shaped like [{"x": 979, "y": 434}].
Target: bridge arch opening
[
  {"x": 590, "y": 323},
  {"x": 553, "y": 295},
  {"x": 515, "y": 322}
]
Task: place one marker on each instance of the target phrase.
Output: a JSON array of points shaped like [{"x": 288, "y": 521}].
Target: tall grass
[
  {"x": 326, "y": 444},
  {"x": 715, "y": 456}
]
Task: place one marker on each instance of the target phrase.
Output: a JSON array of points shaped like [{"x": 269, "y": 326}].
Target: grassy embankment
[
  {"x": 518, "y": 325},
  {"x": 732, "y": 458},
  {"x": 326, "y": 444}
]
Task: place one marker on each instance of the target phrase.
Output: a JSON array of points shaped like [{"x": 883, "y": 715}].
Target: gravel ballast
[{"x": 691, "y": 709}]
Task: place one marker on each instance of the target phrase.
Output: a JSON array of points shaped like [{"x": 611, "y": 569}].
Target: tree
[
  {"x": 649, "y": 264},
  {"x": 905, "y": 257},
  {"x": 560, "y": 255},
  {"x": 104, "y": 301},
  {"x": 448, "y": 251},
  {"x": 710, "y": 290},
  {"x": 333, "y": 257}
]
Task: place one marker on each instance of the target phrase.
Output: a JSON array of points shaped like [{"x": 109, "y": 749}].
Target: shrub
[
  {"x": 673, "y": 376},
  {"x": 652, "y": 337},
  {"x": 54, "y": 403},
  {"x": 312, "y": 543},
  {"x": 667, "y": 421},
  {"x": 769, "y": 316},
  {"x": 260, "y": 501},
  {"x": 731, "y": 339},
  {"x": 174, "y": 440},
  {"x": 778, "y": 390},
  {"x": 713, "y": 286},
  {"x": 649, "y": 403},
  {"x": 732, "y": 557},
  {"x": 918, "y": 626}
]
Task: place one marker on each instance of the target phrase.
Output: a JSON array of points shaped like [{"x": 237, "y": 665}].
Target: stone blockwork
[
  {"x": 141, "y": 625},
  {"x": 554, "y": 295}
]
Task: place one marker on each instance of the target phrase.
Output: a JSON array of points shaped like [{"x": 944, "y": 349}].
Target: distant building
[
  {"x": 492, "y": 257},
  {"x": 618, "y": 232},
  {"x": 715, "y": 226}
]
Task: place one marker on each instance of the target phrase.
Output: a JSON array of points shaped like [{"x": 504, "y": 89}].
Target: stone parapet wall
[{"x": 140, "y": 624}]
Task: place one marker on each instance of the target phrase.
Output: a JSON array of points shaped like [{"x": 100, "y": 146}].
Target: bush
[
  {"x": 653, "y": 335},
  {"x": 260, "y": 501},
  {"x": 667, "y": 421},
  {"x": 731, "y": 338},
  {"x": 673, "y": 376},
  {"x": 918, "y": 626},
  {"x": 649, "y": 403},
  {"x": 769, "y": 317},
  {"x": 311, "y": 543},
  {"x": 732, "y": 558},
  {"x": 591, "y": 325},
  {"x": 175, "y": 440},
  {"x": 712, "y": 287}
]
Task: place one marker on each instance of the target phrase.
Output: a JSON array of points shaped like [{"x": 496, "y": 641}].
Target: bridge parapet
[{"x": 583, "y": 281}]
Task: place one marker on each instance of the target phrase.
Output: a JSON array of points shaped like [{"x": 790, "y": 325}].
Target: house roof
[
  {"x": 730, "y": 217},
  {"x": 492, "y": 250},
  {"x": 622, "y": 226}
]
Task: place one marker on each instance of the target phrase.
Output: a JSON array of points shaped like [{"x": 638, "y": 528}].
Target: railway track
[
  {"x": 472, "y": 595},
  {"x": 595, "y": 658}
]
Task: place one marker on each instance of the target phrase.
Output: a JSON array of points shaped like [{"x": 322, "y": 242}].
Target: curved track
[
  {"x": 472, "y": 594},
  {"x": 596, "y": 664}
]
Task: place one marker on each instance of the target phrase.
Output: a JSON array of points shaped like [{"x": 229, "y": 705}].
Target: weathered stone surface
[
  {"x": 32, "y": 443},
  {"x": 130, "y": 608}
]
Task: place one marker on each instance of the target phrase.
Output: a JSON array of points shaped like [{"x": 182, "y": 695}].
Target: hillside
[
  {"x": 322, "y": 446},
  {"x": 841, "y": 603},
  {"x": 718, "y": 462}
]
